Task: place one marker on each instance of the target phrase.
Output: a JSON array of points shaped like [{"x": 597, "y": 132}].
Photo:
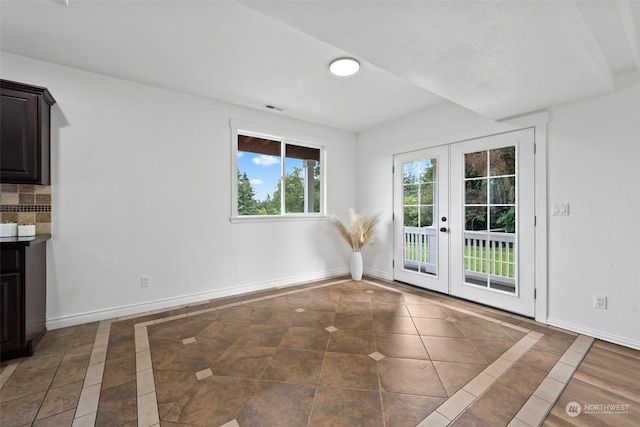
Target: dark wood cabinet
[
  {"x": 25, "y": 133},
  {"x": 23, "y": 278},
  {"x": 11, "y": 318}
]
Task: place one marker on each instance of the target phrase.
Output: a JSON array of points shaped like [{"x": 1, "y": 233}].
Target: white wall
[
  {"x": 141, "y": 186},
  {"x": 593, "y": 162}
]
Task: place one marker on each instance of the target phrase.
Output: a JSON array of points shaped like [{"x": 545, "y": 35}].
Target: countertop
[{"x": 24, "y": 241}]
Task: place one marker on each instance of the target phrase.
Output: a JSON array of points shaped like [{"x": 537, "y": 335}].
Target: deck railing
[
  {"x": 490, "y": 255},
  {"x": 421, "y": 249},
  {"x": 487, "y": 255}
]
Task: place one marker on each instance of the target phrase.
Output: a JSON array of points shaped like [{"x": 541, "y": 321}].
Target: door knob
[{"x": 443, "y": 229}]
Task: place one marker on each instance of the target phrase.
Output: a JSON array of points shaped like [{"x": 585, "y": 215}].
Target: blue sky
[{"x": 263, "y": 171}]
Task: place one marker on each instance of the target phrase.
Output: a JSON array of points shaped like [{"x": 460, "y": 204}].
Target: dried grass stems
[{"x": 361, "y": 230}]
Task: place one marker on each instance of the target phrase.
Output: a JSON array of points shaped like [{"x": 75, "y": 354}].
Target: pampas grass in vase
[{"x": 357, "y": 235}]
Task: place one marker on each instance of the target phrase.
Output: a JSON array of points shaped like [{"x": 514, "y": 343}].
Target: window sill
[{"x": 277, "y": 218}]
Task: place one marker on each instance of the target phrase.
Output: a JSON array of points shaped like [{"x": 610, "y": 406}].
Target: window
[{"x": 276, "y": 177}]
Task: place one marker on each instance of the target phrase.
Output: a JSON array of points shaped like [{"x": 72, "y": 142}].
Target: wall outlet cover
[
  {"x": 145, "y": 281},
  {"x": 600, "y": 301}
]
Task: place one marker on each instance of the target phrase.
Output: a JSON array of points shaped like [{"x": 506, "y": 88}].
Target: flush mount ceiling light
[{"x": 344, "y": 67}]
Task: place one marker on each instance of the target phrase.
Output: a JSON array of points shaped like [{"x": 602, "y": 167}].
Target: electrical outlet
[
  {"x": 145, "y": 282},
  {"x": 600, "y": 301}
]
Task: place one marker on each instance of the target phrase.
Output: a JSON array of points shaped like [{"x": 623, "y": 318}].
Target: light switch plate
[{"x": 560, "y": 209}]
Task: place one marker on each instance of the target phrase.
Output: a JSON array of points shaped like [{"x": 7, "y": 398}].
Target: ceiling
[{"x": 497, "y": 58}]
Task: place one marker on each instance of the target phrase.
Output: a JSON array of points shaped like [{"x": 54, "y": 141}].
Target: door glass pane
[
  {"x": 475, "y": 218},
  {"x": 503, "y": 190},
  {"x": 503, "y": 161},
  {"x": 426, "y": 194},
  {"x": 490, "y": 219},
  {"x": 503, "y": 219},
  {"x": 475, "y": 164},
  {"x": 426, "y": 216},
  {"x": 411, "y": 216},
  {"x": 475, "y": 192},
  {"x": 419, "y": 196}
]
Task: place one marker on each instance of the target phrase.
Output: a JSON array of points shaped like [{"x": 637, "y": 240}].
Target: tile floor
[{"x": 329, "y": 353}]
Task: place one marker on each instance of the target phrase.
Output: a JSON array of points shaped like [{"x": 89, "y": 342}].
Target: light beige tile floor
[{"x": 328, "y": 353}]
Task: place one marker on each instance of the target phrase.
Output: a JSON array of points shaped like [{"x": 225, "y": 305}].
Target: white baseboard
[
  {"x": 184, "y": 300},
  {"x": 379, "y": 274},
  {"x": 616, "y": 339}
]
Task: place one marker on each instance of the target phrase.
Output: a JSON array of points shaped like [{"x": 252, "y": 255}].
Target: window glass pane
[
  {"x": 316, "y": 187},
  {"x": 260, "y": 180},
  {"x": 503, "y": 190},
  {"x": 475, "y": 192},
  {"x": 475, "y": 218},
  {"x": 475, "y": 164},
  {"x": 258, "y": 176},
  {"x": 302, "y": 186},
  {"x": 503, "y": 161},
  {"x": 503, "y": 219},
  {"x": 294, "y": 186}
]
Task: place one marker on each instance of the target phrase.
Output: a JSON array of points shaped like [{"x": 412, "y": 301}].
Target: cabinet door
[
  {"x": 19, "y": 139},
  {"x": 11, "y": 319}
]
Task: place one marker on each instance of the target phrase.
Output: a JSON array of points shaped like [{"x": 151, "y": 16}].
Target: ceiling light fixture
[{"x": 344, "y": 67}]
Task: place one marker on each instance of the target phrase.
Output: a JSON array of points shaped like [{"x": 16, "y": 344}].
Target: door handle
[{"x": 443, "y": 229}]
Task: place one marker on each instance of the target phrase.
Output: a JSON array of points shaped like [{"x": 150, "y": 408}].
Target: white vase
[{"x": 356, "y": 266}]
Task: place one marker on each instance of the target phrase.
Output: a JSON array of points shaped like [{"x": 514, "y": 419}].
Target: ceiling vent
[{"x": 272, "y": 107}]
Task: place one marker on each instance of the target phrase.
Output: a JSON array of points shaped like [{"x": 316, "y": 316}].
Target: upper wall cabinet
[{"x": 24, "y": 133}]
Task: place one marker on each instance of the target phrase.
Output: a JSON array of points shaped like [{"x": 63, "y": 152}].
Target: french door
[
  {"x": 421, "y": 199},
  {"x": 464, "y": 220}
]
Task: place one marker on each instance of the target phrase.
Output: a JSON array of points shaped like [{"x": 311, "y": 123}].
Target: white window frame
[{"x": 285, "y": 137}]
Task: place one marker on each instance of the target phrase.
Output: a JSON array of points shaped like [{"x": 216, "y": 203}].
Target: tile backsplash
[{"x": 26, "y": 204}]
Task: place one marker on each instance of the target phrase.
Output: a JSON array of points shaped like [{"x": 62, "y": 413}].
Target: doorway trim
[{"x": 538, "y": 121}]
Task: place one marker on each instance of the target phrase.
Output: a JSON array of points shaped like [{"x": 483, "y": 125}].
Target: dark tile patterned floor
[{"x": 331, "y": 353}]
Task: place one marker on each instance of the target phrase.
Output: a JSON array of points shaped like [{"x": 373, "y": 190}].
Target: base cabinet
[
  {"x": 22, "y": 297},
  {"x": 12, "y": 321}
]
